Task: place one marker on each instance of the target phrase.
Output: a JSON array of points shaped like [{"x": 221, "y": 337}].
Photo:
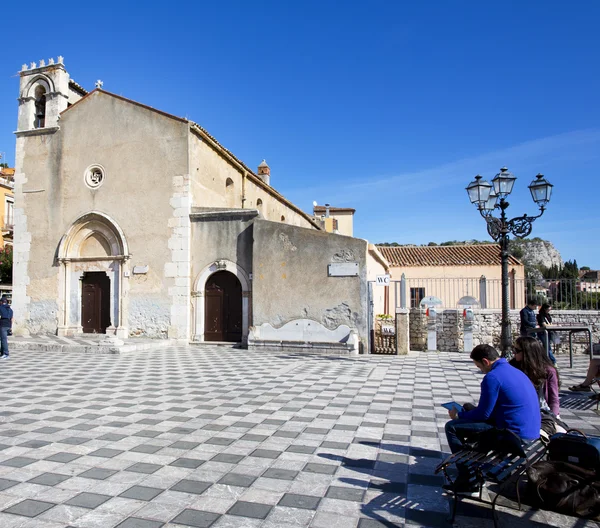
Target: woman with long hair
[
  {"x": 531, "y": 358},
  {"x": 544, "y": 319}
]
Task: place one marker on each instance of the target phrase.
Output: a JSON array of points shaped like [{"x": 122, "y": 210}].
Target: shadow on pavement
[{"x": 403, "y": 491}]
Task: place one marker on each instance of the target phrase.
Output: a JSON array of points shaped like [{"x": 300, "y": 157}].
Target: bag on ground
[
  {"x": 564, "y": 488},
  {"x": 574, "y": 447}
]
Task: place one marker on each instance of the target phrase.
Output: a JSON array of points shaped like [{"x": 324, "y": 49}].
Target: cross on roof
[{"x": 99, "y": 84}]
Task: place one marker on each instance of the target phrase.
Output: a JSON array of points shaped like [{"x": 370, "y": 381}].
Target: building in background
[
  {"x": 453, "y": 272},
  {"x": 589, "y": 281},
  {"x": 339, "y": 220},
  {"x": 7, "y": 187}
]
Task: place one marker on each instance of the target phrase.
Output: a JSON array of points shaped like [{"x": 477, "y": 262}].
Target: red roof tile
[{"x": 473, "y": 255}]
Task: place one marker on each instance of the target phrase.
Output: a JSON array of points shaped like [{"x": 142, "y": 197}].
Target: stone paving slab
[{"x": 220, "y": 437}]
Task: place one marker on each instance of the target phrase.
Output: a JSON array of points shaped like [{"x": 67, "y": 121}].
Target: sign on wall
[
  {"x": 388, "y": 329},
  {"x": 383, "y": 280},
  {"x": 343, "y": 269}
]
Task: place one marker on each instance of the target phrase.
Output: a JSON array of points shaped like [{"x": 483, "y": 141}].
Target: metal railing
[
  {"x": 8, "y": 182},
  {"x": 562, "y": 294}
]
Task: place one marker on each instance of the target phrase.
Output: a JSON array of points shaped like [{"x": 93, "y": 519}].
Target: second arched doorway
[{"x": 223, "y": 308}]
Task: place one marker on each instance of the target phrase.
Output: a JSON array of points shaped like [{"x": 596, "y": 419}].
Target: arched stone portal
[
  {"x": 93, "y": 255},
  {"x": 223, "y": 308},
  {"x": 206, "y": 294}
]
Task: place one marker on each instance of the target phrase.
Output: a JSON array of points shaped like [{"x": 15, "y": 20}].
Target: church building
[{"x": 129, "y": 221}]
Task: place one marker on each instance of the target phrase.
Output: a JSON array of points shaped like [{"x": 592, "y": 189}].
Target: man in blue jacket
[
  {"x": 528, "y": 317},
  {"x": 508, "y": 401},
  {"x": 6, "y": 320}
]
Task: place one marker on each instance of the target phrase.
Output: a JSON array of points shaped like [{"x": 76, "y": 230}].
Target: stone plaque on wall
[{"x": 343, "y": 269}]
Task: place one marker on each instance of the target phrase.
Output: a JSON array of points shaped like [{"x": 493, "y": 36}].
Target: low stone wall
[{"x": 487, "y": 328}]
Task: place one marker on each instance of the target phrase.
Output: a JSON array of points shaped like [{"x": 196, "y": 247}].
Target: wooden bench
[{"x": 493, "y": 467}]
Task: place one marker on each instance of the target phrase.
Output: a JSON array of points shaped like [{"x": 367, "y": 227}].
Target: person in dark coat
[
  {"x": 6, "y": 320},
  {"x": 544, "y": 319},
  {"x": 528, "y": 316}
]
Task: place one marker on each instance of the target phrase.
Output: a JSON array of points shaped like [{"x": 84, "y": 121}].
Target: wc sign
[{"x": 383, "y": 280}]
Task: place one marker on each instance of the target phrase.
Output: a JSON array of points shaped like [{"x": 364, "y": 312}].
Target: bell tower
[
  {"x": 43, "y": 95},
  {"x": 264, "y": 172}
]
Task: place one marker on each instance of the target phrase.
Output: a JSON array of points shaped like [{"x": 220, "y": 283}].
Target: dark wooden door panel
[
  {"x": 233, "y": 303},
  {"x": 95, "y": 303},
  {"x": 214, "y": 316},
  {"x": 90, "y": 309},
  {"x": 223, "y": 308}
]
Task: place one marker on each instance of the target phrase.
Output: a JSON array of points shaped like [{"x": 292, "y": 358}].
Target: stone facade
[
  {"x": 179, "y": 266},
  {"x": 486, "y": 328},
  {"x": 151, "y": 207},
  {"x": 295, "y": 263}
]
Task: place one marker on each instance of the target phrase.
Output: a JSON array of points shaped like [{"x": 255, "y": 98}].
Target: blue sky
[{"x": 388, "y": 107}]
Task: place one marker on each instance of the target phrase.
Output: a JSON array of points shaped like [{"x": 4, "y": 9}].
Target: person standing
[
  {"x": 508, "y": 402},
  {"x": 528, "y": 316},
  {"x": 6, "y": 320},
  {"x": 543, "y": 319}
]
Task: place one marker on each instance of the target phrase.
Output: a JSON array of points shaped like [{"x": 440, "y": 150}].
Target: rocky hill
[{"x": 535, "y": 252}]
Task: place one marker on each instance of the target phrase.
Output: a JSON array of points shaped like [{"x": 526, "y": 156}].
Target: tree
[
  {"x": 6, "y": 264},
  {"x": 566, "y": 293},
  {"x": 516, "y": 252},
  {"x": 3, "y": 165},
  {"x": 570, "y": 270}
]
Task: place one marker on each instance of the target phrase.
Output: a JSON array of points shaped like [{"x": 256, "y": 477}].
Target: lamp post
[{"x": 489, "y": 197}]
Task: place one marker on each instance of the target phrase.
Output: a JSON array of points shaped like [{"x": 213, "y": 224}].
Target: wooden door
[
  {"x": 223, "y": 308},
  {"x": 213, "y": 327},
  {"x": 90, "y": 308},
  {"x": 95, "y": 303}
]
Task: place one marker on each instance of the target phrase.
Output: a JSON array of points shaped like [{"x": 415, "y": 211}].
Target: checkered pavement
[{"x": 221, "y": 437}]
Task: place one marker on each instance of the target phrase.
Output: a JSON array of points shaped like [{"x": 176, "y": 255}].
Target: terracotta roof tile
[
  {"x": 471, "y": 255},
  {"x": 77, "y": 87}
]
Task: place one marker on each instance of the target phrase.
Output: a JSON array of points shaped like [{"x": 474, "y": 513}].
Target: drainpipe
[{"x": 245, "y": 174}]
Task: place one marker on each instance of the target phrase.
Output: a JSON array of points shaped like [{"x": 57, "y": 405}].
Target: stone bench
[{"x": 304, "y": 335}]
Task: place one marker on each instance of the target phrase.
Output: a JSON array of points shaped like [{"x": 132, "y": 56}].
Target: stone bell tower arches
[
  {"x": 93, "y": 245},
  {"x": 43, "y": 95}
]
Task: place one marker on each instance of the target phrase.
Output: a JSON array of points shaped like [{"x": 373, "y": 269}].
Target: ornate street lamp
[{"x": 489, "y": 197}]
